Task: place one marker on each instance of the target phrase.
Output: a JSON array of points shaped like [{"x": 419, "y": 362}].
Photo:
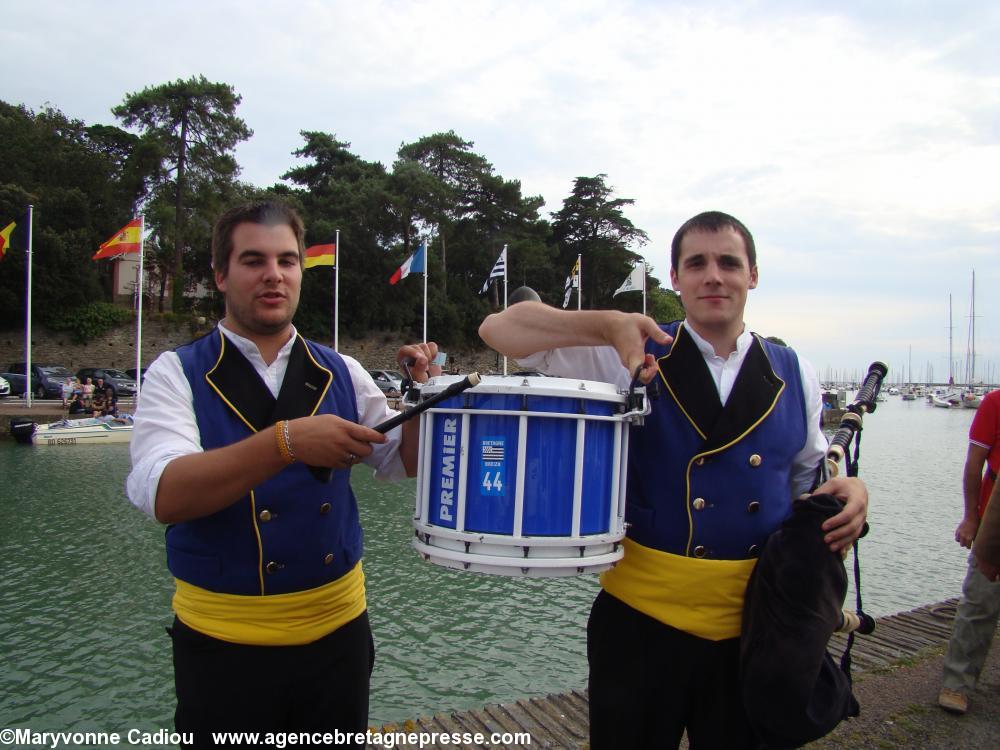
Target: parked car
[
  {"x": 120, "y": 383},
  {"x": 46, "y": 380},
  {"x": 4, "y": 388},
  {"x": 142, "y": 375},
  {"x": 388, "y": 381}
]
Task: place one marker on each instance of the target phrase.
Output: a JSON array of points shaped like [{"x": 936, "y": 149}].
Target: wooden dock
[{"x": 559, "y": 722}]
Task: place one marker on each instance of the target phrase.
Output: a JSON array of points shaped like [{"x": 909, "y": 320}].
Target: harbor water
[{"x": 85, "y": 595}]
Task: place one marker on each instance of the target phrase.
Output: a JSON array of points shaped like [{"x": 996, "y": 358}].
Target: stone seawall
[{"x": 117, "y": 348}]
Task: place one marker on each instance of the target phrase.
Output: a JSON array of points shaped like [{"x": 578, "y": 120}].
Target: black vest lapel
[
  {"x": 240, "y": 387},
  {"x": 306, "y": 383},
  {"x": 754, "y": 394},
  {"x": 690, "y": 383}
]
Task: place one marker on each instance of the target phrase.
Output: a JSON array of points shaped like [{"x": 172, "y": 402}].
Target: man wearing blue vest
[
  {"x": 732, "y": 438},
  {"x": 271, "y": 632}
]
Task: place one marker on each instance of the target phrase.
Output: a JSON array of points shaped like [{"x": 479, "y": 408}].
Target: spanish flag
[
  {"x": 125, "y": 240},
  {"x": 5, "y": 239},
  {"x": 321, "y": 255}
]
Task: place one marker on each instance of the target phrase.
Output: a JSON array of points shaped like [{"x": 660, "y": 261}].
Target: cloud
[{"x": 860, "y": 144}]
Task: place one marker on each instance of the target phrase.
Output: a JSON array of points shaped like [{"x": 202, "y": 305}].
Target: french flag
[{"x": 416, "y": 263}]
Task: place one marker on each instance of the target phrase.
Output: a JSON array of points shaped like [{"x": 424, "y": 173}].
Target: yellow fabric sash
[
  {"x": 274, "y": 620},
  {"x": 701, "y": 597}
]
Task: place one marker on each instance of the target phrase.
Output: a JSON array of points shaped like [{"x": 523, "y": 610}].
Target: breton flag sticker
[{"x": 492, "y": 466}]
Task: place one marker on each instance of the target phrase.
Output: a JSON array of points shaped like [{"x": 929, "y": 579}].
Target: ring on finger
[{"x": 351, "y": 458}]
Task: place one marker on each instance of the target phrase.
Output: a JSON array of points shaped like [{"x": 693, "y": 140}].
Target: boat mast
[
  {"x": 951, "y": 373},
  {"x": 972, "y": 331}
]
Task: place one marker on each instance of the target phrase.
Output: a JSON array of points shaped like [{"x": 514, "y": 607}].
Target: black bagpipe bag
[{"x": 793, "y": 690}]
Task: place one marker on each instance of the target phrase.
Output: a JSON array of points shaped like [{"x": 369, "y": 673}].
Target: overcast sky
[{"x": 860, "y": 145}]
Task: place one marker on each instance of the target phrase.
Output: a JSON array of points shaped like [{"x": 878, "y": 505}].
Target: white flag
[
  {"x": 499, "y": 270},
  {"x": 572, "y": 282},
  {"x": 634, "y": 282}
]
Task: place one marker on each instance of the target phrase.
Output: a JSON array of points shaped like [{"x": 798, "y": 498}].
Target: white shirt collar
[{"x": 743, "y": 342}]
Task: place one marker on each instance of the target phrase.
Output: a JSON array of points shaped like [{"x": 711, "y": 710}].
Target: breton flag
[
  {"x": 499, "y": 270},
  {"x": 635, "y": 280},
  {"x": 321, "y": 255},
  {"x": 5, "y": 239},
  {"x": 125, "y": 240},
  {"x": 572, "y": 281},
  {"x": 416, "y": 263}
]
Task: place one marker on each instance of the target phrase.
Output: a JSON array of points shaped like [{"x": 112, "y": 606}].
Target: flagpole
[
  {"x": 336, "y": 292},
  {"x": 138, "y": 327},
  {"x": 643, "y": 286},
  {"x": 504, "y": 297},
  {"x": 27, "y": 317},
  {"x": 579, "y": 280},
  {"x": 426, "y": 269}
]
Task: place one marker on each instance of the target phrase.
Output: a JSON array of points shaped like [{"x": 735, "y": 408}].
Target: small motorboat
[
  {"x": 87, "y": 431},
  {"x": 947, "y": 400}
]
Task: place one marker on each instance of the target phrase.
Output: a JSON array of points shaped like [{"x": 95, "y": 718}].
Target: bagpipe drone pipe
[{"x": 793, "y": 690}]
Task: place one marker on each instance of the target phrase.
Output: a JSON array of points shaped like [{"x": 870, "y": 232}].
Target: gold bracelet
[{"x": 283, "y": 441}]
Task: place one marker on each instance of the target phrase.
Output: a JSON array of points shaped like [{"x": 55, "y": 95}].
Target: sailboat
[
  {"x": 970, "y": 399},
  {"x": 951, "y": 398}
]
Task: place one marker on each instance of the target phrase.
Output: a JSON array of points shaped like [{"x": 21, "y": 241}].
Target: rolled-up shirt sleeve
[
  {"x": 165, "y": 429},
  {"x": 373, "y": 409},
  {"x": 598, "y": 363}
]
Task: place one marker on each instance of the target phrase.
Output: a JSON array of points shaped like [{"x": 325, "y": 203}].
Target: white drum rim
[
  {"x": 509, "y": 540},
  {"x": 516, "y": 385},
  {"x": 517, "y": 563}
]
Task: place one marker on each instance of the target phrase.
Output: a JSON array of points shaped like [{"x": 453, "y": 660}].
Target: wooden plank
[
  {"x": 553, "y": 725},
  {"x": 576, "y": 729},
  {"x": 540, "y": 735}
]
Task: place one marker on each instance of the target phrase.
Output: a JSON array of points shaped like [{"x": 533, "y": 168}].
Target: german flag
[
  {"x": 321, "y": 255},
  {"x": 5, "y": 239},
  {"x": 125, "y": 240}
]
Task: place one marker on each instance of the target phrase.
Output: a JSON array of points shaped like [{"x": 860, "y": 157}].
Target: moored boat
[
  {"x": 87, "y": 431},
  {"x": 947, "y": 400}
]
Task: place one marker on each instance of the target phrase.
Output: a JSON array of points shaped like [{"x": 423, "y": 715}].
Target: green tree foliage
[
  {"x": 177, "y": 167},
  {"x": 195, "y": 125},
  {"x": 82, "y": 183}
]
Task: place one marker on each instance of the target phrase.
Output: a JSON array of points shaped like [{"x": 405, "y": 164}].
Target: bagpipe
[{"x": 793, "y": 690}]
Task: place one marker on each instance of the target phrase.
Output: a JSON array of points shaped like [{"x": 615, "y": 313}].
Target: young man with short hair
[
  {"x": 271, "y": 630},
  {"x": 732, "y": 438}
]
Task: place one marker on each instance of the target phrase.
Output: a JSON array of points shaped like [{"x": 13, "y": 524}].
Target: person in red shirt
[{"x": 979, "y": 609}]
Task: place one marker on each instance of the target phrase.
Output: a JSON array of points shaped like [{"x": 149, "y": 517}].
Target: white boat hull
[{"x": 89, "y": 431}]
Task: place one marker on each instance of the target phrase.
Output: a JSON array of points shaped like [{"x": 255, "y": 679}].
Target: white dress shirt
[
  {"x": 601, "y": 363},
  {"x": 166, "y": 427}
]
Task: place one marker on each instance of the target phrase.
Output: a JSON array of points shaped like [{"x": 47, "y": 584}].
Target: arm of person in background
[
  {"x": 972, "y": 482},
  {"x": 418, "y": 358},
  {"x": 530, "y": 327},
  {"x": 987, "y": 544}
]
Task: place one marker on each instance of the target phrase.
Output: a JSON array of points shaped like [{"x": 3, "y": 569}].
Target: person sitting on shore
[
  {"x": 67, "y": 391},
  {"x": 97, "y": 404},
  {"x": 88, "y": 393},
  {"x": 76, "y": 404},
  {"x": 110, "y": 403}
]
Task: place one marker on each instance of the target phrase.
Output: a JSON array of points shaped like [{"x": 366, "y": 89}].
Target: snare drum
[{"x": 523, "y": 476}]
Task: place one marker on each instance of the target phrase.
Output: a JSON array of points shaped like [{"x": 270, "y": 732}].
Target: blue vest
[
  {"x": 293, "y": 532},
  {"x": 707, "y": 480}
]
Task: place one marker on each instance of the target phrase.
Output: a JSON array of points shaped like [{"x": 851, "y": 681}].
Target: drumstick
[
  {"x": 323, "y": 473},
  {"x": 469, "y": 381}
]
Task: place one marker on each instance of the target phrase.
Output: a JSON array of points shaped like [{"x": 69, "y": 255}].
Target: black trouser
[
  {"x": 649, "y": 681},
  {"x": 229, "y": 687}
]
